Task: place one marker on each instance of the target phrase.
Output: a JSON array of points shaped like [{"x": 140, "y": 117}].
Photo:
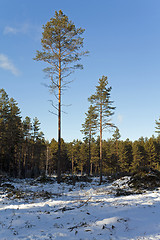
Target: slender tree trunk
[
  {"x": 116, "y": 155},
  {"x": 19, "y": 162},
  {"x": 89, "y": 159},
  {"x": 47, "y": 160},
  {"x": 81, "y": 170},
  {"x": 24, "y": 160},
  {"x": 72, "y": 163},
  {"x": 59, "y": 122},
  {"x": 91, "y": 168},
  {"x": 100, "y": 145},
  {"x": 32, "y": 159}
]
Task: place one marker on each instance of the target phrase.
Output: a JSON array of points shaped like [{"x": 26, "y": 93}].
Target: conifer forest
[
  {"x": 79, "y": 120},
  {"x": 24, "y": 152}
]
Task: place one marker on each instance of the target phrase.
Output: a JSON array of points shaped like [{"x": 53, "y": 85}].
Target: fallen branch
[
  {"x": 78, "y": 226},
  {"x": 84, "y": 202},
  {"x": 63, "y": 209}
]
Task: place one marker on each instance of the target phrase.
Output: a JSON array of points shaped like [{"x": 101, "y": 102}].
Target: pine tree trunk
[
  {"x": 72, "y": 163},
  {"x": 89, "y": 159},
  {"x": 59, "y": 123},
  {"x": 47, "y": 160},
  {"x": 19, "y": 162},
  {"x": 116, "y": 155},
  {"x": 24, "y": 160},
  {"x": 81, "y": 170},
  {"x": 91, "y": 166},
  {"x": 100, "y": 145},
  {"x": 59, "y": 140}
]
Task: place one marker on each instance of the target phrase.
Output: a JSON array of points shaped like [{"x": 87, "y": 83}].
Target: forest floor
[{"x": 32, "y": 210}]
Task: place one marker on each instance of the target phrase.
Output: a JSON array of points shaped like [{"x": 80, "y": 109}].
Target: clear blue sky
[{"x": 123, "y": 38}]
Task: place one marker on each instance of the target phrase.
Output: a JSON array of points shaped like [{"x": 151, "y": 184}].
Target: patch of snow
[{"x": 85, "y": 211}]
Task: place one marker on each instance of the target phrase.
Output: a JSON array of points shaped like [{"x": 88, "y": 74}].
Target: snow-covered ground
[{"x": 85, "y": 211}]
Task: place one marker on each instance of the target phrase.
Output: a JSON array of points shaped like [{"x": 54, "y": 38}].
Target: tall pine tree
[
  {"x": 104, "y": 109},
  {"x": 61, "y": 49}
]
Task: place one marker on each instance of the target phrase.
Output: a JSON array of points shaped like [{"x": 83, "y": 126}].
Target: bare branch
[
  {"x": 66, "y": 83},
  {"x": 53, "y": 105},
  {"x": 64, "y": 112},
  {"x": 53, "y": 113},
  {"x": 66, "y": 105}
]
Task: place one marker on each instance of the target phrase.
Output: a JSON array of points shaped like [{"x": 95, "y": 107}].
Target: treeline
[
  {"x": 25, "y": 153},
  {"x": 118, "y": 156},
  {"x": 22, "y": 145}
]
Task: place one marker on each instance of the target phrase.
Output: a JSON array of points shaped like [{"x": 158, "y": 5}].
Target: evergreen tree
[
  {"x": 111, "y": 157},
  {"x": 26, "y": 153},
  {"x": 94, "y": 158},
  {"x": 152, "y": 153},
  {"x": 89, "y": 130},
  {"x": 35, "y": 128},
  {"x": 139, "y": 155},
  {"x": 125, "y": 156},
  {"x": 71, "y": 155},
  {"x": 27, "y": 128},
  {"x": 61, "y": 44},
  {"x": 4, "y": 114},
  {"x": 103, "y": 106},
  {"x": 37, "y": 148},
  {"x": 77, "y": 155},
  {"x": 14, "y": 130},
  {"x": 21, "y": 153},
  {"x": 82, "y": 156},
  {"x": 48, "y": 156},
  {"x": 65, "y": 165},
  {"x": 158, "y": 151},
  {"x": 54, "y": 155},
  {"x": 157, "y": 126},
  {"x": 10, "y": 134},
  {"x": 116, "y": 137}
]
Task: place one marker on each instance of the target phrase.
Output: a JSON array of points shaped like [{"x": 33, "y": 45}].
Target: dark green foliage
[
  {"x": 121, "y": 192},
  {"x": 44, "y": 179},
  {"x": 116, "y": 135},
  {"x": 145, "y": 178},
  {"x": 110, "y": 157},
  {"x": 61, "y": 40},
  {"x": 10, "y": 133},
  {"x": 25, "y": 153},
  {"x": 65, "y": 165},
  {"x": 102, "y": 103},
  {"x": 94, "y": 168},
  {"x": 152, "y": 157},
  {"x": 125, "y": 156},
  {"x": 36, "y": 128},
  {"x": 22, "y": 148},
  {"x": 76, "y": 178},
  {"x": 27, "y": 128},
  {"x": 139, "y": 155},
  {"x": 157, "y": 126},
  {"x": 89, "y": 128}
]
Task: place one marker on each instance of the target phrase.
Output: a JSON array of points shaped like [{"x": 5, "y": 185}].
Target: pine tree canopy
[
  {"x": 103, "y": 104},
  {"x": 90, "y": 125},
  {"x": 61, "y": 43},
  {"x": 61, "y": 49},
  {"x": 116, "y": 135},
  {"x": 157, "y": 126}
]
